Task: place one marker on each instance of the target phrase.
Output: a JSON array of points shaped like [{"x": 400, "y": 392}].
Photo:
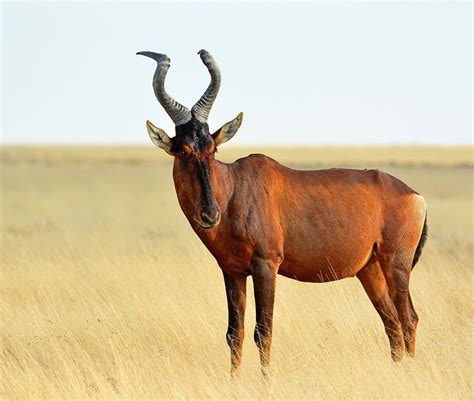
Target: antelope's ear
[
  {"x": 228, "y": 130},
  {"x": 159, "y": 137}
]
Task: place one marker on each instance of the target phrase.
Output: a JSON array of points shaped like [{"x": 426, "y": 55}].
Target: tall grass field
[{"x": 107, "y": 293}]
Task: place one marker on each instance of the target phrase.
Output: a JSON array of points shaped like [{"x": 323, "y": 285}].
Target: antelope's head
[{"x": 193, "y": 146}]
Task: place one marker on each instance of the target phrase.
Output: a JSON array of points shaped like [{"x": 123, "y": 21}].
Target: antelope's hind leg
[
  {"x": 397, "y": 270},
  {"x": 236, "y": 288},
  {"x": 375, "y": 285},
  {"x": 410, "y": 335}
]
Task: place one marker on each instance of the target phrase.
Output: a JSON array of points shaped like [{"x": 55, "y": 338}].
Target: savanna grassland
[{"x": 107, "y": 293}]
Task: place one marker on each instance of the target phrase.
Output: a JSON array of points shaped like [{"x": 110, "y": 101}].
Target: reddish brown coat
[
  {"x": 312, "y": 226},
  {"x": 260, "y": 218}
]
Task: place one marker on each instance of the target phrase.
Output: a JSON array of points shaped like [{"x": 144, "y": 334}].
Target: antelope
[{"x": 259, "y": 218}]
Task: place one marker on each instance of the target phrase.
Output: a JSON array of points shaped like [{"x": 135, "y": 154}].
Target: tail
[{"x": 421, "y": 244}]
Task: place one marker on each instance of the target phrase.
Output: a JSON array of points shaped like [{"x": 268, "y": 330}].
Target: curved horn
[
  {"x": 203, "y": 106},
  {"x": 178, "y": 113}
]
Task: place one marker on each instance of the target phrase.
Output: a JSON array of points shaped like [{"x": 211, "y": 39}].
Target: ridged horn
[
  {"x": 178, "y": 113},
  {"x": 203, "y": 106}
]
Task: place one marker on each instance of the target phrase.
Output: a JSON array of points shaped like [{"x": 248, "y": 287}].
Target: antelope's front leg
[
  {"x": 264, "y": 279},
  {"x": 235, "y": 287}
]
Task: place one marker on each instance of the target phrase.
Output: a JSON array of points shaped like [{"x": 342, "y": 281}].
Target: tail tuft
[{"x": 421, "y": 244}]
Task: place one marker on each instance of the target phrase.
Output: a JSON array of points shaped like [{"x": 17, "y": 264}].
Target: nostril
[
  {"x": 206, "y": 218},
  {"x": 210, "y": 218}
]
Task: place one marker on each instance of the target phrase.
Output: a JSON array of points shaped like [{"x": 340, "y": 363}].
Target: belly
[
  {"x": 318, "y": 271},
  {"x": 324, "y": 267},
  {"x": 318, "y": 255}
]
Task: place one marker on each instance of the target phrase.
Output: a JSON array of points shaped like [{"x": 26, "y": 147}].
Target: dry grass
[{"x": 107, "y": 293}]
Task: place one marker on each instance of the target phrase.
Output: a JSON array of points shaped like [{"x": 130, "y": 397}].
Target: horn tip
[
  {"x": 203, "y": 52},
  {"x": 158, "y": 57}
]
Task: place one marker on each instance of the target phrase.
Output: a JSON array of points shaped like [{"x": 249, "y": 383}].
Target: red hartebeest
[{"x": 259, "y": 218}]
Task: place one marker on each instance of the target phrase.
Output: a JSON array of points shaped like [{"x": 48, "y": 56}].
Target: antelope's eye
[{"x": 186, "y": 150}]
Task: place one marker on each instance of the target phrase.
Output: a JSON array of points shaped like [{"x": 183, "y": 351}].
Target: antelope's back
[{"x": 327, "y": 221}]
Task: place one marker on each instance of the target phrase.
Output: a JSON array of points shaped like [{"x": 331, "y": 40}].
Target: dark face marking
[
  {"x": 209, "y": 213},
  {"x": 194, "y": 134},
  {"x": 194, "y": 148}
]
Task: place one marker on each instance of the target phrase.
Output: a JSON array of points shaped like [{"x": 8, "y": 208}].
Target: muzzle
[{"x": 208, "y": 217}]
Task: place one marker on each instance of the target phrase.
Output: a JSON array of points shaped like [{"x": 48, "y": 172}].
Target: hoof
[{"x": 398, "y": 354}]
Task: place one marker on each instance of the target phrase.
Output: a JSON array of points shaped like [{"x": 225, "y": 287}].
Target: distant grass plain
[{"x": 107, "y": 292}]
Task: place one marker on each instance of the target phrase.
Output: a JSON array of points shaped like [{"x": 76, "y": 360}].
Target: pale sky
[{"x": 302, "y": 73}]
